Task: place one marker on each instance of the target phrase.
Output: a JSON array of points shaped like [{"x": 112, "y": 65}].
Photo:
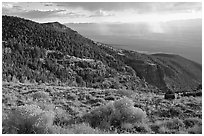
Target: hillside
[
  {"x": 187, "y": 69},
  {"x": 42, "y": 109},
  {"x": 55, "y": 81},
  {"x": 53, "y": 53}
]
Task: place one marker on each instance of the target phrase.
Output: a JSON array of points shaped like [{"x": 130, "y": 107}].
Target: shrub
[
  {"x": 174, "y": 123},
  {"x": 41, "y": 96},
  {"x": 190, "y": 122},
  {"x": 193, "y": 125},
  {"x": 195, "y": 129},
  {"x": 49, "y": 90},
  {"x": 28, "y": 119},
  {"x": 85, "y": 129},
  {"x": 46, "y": 106},
  {"x": 123, "y": 103},
  {"x": 114, "y": 114},
  {"x": 136, "y": 127},
  {"x": 76, "y": 129},
  {"x": 126, "y": 125},
  {"x": 55, "y": 129},
  {"x": 127, "y": 93},
  {"x": 174, "y": 111},
  {"x": 61, "y": 117},
  {"x": 127, "y": 111},
  {"x": 101, "y": 116},
  {"x": 170, "y": 112},
  {"x": 168, "y": 126}
]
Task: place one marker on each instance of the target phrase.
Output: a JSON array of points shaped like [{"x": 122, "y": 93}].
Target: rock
[{"x": 169, "y": 96}]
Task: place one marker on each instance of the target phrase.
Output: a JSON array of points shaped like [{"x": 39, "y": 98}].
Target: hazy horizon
[{"x": 178, "y": 37}]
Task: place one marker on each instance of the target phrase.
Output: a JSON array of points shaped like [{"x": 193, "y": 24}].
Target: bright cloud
[{"x": 104, "y": 12}]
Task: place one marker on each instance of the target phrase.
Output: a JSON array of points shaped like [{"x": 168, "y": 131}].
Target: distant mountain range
[
  {"x": 53, "y": 53},
  {"x": 183, "y": 37}
]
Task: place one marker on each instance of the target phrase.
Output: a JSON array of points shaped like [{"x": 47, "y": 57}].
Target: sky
[{"x": 103, "y": 12}]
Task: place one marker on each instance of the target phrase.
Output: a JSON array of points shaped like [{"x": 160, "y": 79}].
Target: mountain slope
[
  {"x": 188, "y": 72},
  {"x": 54, "y": 53}
]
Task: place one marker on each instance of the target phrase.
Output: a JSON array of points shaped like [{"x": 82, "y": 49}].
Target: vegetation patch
[
  {"x": 30, "y": 109},
  {"x": 113, "y": 114}
]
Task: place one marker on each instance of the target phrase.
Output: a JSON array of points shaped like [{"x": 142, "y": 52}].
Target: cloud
[
  {"x": 38, "y": 10},
  {"x": 104, "y": 11},
  {"x": 101, "y": 13},
  {"x": 188, "y": 6},
  {"x": 16, "y": 10},
  {"x": 71, "y": 14},
  {"x": 10, "y": 8},
  {"x": 176, "y": 7},
  {"x": 140, "y": 7},
  {"x": 39, "y": 13},
  {"x": 49, "y": 14},
  {"x": 7, "y": 5},
  {"x": 94, "y": 6}
]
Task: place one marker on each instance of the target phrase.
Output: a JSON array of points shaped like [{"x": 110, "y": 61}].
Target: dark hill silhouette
[{"x": 54, "y": 53}]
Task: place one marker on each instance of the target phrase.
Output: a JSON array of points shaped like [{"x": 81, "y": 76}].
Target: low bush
[
  {"x": 136, "y": 127},
  {"x": 41, "y": 96},
  {"x": 127, "y": 93},
  {"x": 55, "y": 129},
  {"x": 61, "y": 117},
  {"x": 114, "y": 114},
  {"x": 191, "y": 122},
  {"x": 101, "y": 116},
  {"x": 85, "y": 129},
  {"x": 28, "y": 119},
  {"x": 195, "y": 130},
  {"x": 76, "y": 129},
  {"x": 174, "y": 125},
  {"x": 46, "y": 106},
  {"x": 193, "y": 125},
  {"x": 127, "y": 112},
  {"x": 170, "y": 112}
]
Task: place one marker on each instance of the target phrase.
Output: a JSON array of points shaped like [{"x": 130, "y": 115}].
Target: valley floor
[{"x": 61, "y": 109}]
